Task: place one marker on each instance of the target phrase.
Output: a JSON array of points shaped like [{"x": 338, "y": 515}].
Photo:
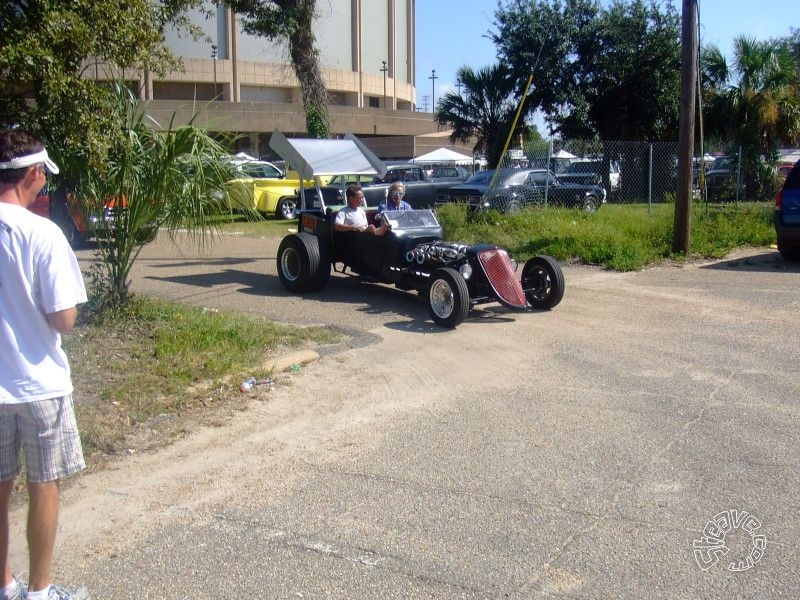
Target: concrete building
[{"x": 242, "y": 83}]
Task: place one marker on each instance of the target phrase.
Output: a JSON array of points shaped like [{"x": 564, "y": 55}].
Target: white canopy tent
[
  {"x": 443, "y": 156},
  {"x": 563, "y": 154}
]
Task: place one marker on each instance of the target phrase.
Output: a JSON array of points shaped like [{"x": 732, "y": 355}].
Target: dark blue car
[{"x": 787, "y": 216}]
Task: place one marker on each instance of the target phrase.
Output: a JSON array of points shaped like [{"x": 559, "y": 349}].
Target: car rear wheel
[
  {"x": 447, "y": 297},
  {"x": 286, "y": 209},
  {"x": 543, "y": 282},
  {"x": 590, "y": 204},
  {"x": 302, "y": 267}
]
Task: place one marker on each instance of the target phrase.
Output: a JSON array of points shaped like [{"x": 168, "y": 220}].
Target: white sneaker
[{"x": 57, "y": 593}]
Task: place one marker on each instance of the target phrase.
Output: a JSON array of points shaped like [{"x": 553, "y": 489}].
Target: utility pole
[
  {"x": 214, "y": 56},
  {"x": 683, "y": 198},
  {"x": 383, "y": 70},
  {"x": 433, "y": 79}
]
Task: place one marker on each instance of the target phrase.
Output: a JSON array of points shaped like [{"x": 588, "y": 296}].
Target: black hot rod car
[{"x": 451, "y": 277}]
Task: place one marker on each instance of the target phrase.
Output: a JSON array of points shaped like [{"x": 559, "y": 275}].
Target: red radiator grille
[{"x": 497, "y": 266}]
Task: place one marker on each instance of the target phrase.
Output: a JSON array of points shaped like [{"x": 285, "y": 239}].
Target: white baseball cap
[{"x": 21, "y": 162}]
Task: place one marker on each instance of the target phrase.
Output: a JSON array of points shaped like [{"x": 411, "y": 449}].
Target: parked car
[
  {"x": 787, "y": 215},
  {"x": 451, "y": 277},
  {"x": 420, "y": 190},
  {"x": 721, "y": 179},
  {"x": 512, "y": 189},
  {"x": 263, "y": 187},
  {"x": 589, "y": 172},
  {"x": 63, "y": 211},
  {"x": 79, "y": 226}
]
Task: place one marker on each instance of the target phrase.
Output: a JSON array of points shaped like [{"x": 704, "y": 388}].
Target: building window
[{"x": 374, "y": 102}]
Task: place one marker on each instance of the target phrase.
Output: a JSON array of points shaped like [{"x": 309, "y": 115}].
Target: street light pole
[
  {"x": 433, "y": 79},
  {"x": 384, "y": 70},
  {"x": 459, "y": 85},
  {"x": 214, "y": 56}
]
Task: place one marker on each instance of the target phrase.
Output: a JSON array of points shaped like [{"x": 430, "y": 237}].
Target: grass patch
[
  {"x": 619, "y": 236},
  {"x": 256, "y": 227},
  {"x": 153, "y": 357}
]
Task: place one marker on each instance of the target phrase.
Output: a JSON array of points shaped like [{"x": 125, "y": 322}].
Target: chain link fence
[{"x": 637, "y": 172}]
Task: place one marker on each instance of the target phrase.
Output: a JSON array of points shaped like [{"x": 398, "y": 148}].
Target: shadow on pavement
[
  {"x": 767, "y": 261},
  {"x": 366, "y": 297}
]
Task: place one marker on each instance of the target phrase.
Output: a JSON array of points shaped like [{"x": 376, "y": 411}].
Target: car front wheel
[
  {"x": 447, "y": 297},
  {"x": 543, "y": 282},
  {"x": 590, "y": 204}
]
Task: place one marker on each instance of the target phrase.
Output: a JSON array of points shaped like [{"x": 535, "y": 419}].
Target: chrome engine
[{"x": 442, "y": 253}]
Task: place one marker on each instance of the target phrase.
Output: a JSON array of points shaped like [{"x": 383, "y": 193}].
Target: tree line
[{"x": 614, "y": 73}]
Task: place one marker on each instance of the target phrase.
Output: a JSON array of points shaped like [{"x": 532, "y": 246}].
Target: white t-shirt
[
  {"x": 352, "y": 216},
  {"x": 39, "y": 274}
]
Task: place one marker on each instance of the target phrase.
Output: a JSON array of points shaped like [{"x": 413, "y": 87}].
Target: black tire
[
  {"x": 77, "y": 239},
  {"x": 513, "y": 206},
  {"x": 320, "y": 277},
  {"x": 286, "y": 209},
  {"x": 300, "y": 267},
  {"x": 59, "y": 214},
  {"x": 590, "y": 204},
  {"x": 789, "y": 253},
  {"x": 447, "y": 298},
  {"x": 543, "y": 282}
]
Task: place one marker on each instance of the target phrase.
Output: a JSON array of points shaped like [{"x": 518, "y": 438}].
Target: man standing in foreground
[{"x": 40, "y": 287}]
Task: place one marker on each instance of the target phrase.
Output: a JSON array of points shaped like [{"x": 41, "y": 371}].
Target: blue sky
[{"x": 450, "y": 33}]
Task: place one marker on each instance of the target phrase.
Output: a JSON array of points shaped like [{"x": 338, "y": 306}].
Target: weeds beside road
[
  {"x": 153, "y": 358},
  {"x": 619, "y": 237}
]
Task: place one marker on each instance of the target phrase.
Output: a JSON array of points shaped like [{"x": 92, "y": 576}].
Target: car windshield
[
  {"x": 351, "y": 179},
  {"x": 406, "y": 219},
  {"x": 481, "y": 177},
  {"x": 259, "y": 171},
  {"x": 583, "y": 167},
  {"x": 537, "y": 178}
]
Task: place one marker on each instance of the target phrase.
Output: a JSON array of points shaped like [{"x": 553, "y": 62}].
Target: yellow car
[{"x": 263, "y": 187}]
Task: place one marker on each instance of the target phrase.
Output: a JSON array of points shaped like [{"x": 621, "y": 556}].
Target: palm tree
[
  {"x": 153, "y": 179},
  {"x": 484, "y": 112},
  {"x": 755, "y": 100}
]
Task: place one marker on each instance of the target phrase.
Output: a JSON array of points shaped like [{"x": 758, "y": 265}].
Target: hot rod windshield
[{"x": 407, "y": 219}]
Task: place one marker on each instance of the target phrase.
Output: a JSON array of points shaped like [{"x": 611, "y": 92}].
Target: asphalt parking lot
[{"x": 639, "y": 441}]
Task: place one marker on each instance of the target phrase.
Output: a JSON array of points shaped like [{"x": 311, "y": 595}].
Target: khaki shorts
[{"x": 47, "y": 432}]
